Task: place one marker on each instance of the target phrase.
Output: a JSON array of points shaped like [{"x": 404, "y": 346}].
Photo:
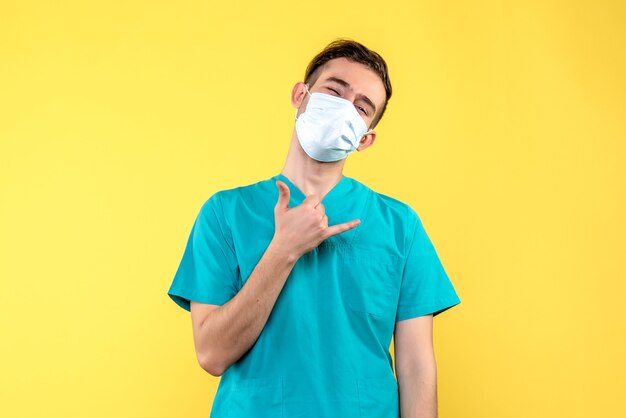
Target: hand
[{"x": 300, "y": 229}]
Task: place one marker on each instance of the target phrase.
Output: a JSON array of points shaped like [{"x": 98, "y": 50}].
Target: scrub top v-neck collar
[
  {"x": 344, "y": 202},
  {"x": 332, "y": 196}
]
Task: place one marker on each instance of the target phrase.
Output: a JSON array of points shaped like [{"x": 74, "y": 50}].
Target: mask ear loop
[
  {"x": 296, "y": 115},
  {"x": 368, "y": 132}
]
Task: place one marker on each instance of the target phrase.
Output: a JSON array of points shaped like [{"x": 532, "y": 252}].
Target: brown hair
[{"x": 356, "y": 52}]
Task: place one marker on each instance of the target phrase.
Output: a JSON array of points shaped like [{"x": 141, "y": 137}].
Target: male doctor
[{"x": 297, "y": 283}]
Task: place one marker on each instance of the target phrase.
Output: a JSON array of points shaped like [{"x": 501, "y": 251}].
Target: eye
[
  {"x": 333, "y": 90},
  {"x": 362, "y": 110}
]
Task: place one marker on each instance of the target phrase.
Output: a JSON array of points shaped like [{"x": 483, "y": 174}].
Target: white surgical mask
[{"x": 330, "y": 128}]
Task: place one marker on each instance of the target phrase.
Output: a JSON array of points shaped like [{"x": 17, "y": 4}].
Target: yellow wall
[{"x": 506, "y": 133}]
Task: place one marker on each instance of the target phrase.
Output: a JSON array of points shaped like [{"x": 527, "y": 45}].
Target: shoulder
[{"x": 228, "y": 198}]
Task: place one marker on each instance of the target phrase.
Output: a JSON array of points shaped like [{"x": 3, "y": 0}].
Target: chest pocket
[{"x": 370, "y": 283}]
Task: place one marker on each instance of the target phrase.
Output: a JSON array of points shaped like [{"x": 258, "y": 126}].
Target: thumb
[{"x": 283, "y": 196}]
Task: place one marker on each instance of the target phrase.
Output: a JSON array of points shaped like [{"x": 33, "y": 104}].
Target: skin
[{"x": 222, "y": 334}]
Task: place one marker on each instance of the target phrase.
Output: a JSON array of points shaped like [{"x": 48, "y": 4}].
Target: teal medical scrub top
[{"x": 324, "y": 351}]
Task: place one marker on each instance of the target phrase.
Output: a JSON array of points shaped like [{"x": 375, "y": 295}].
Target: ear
[
  {"x": 298, "y": 94},
  {"x": 367, "y": 141}
]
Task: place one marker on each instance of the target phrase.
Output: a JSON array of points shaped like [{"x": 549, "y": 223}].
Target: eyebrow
[{"x": 345, "y": 84}]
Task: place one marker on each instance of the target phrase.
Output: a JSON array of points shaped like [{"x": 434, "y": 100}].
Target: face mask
[{"x": 330, "y": 128}]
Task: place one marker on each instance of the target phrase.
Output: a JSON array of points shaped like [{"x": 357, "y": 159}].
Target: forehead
[{"x": 361, "y": 78}]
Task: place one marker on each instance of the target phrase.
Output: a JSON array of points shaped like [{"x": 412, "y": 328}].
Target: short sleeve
[
  {"x": 425, "y": 287},
  {"x": 208, "y": 271}
]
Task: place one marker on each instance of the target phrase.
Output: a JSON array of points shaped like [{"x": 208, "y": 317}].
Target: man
[{"x": 297, "y": 283}]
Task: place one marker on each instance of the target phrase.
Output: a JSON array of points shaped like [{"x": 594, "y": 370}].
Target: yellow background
[{"x": 506, "y": 133}]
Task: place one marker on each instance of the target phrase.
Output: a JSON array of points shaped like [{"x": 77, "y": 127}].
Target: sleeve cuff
[{"x": 435, "y": 309}]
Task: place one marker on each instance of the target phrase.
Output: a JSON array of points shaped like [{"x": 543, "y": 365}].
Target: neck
[{"x": 309, "y": 175}]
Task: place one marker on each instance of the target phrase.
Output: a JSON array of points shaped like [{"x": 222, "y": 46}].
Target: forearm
[
  {"x": 418, "y": 393},
  {"x": 230, "y": 330}
]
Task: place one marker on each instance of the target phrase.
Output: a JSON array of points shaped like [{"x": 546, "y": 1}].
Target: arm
[
  {"x": 223, "y": 334},
  {"x": 415, "y": 367}
]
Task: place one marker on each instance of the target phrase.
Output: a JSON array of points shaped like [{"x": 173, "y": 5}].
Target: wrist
[{"x": 282, "y": 252}]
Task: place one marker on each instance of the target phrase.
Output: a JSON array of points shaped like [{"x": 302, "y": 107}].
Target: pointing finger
[{"x": 338, "y": 229}]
